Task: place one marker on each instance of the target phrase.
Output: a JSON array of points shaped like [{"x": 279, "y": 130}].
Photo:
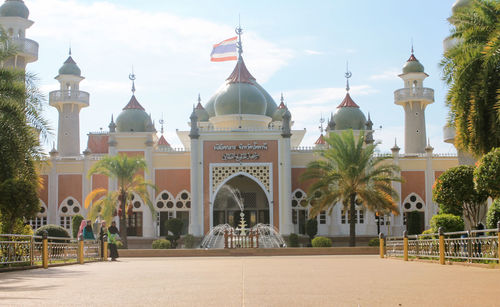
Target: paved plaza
[{"x": 253, "y": 281}]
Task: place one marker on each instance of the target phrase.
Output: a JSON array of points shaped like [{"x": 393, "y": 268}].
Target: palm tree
[
  {"x": 125, "y": 170},
  {"x": 349, "y": 173},
  {"x": 472, "y": 71},
  {"x": 19, "y": 144}
]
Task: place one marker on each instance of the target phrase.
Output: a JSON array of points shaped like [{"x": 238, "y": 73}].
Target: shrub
[
  {"x": 189, "y": 241},
  {"x": 426, "y": 235},
  {"x": 448, "y": 222},
  {"x": 53, "y": 231},
  {"x": 161, "y": 244},
  {"x": 487, "y": 173},
  {"x": 174, "y": 226},
  {"x": 493, "y": 215},
  {"x": 293, "y": 240},
  {"x": 321, "y": 242},
  {"x": 76, "y": 220},
  {"x": 312, "y": 228},
  {"x": 374, "y": 242}
]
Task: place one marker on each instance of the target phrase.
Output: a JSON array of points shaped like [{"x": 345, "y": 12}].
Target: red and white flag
[{"x": 225, "y": 50}]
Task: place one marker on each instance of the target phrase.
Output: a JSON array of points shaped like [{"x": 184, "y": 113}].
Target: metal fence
[
  {"x": 469, "y": 246},
  {"x": 24, "y": 250}
]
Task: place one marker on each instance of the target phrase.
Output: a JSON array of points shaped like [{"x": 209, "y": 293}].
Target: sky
[{"x": 298, "y": 48}]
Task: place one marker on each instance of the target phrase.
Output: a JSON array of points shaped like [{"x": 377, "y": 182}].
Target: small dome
[
  {"x": 459, "y": 4},
  {"x": 201, "y": 113},
  {"x": 349, "y": 116},
  {"x": 280, "y": 111},
  {"x": 412, "y": 65},
  {"x": 133, "y": 118},
  {"x": 70, "y": 68},
  {"x": 14, "y": 8},
  {"x": 229, "y": 98}
]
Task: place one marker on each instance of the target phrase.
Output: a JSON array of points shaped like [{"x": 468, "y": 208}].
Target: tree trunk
[
  {"x": 123, "y": 221},
  {"x": 352, "y": 220}
]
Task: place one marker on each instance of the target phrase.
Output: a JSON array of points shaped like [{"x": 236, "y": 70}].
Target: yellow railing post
[
  {"x": 81, "y": 256},
  {"x": 105, "y": 250},
  {"x": 382, "y": 245},
  {"x": 405, "y": 245},
  {"x": 498, "y": 243},
  {"x": 45, "y": 250},
  {"x": 441, "y": 246}
]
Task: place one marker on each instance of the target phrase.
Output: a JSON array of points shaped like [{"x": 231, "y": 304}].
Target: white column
[
  {"x": 430, "y": 208},
  {"x": 86, "y": 189},
  {"x": 194, "y": 217},
  {"x": 52, "y": 205},
  {"x": 286, "y": 201},
  {"x": 398, "y": 226},
  {"x": 148, "y": 225}
]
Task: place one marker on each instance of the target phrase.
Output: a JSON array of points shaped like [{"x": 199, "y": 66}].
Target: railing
[
  {"x": 243, "y": 129},
  {"x": 469, "y": 246},
  {"x": 249, "y": 239},
  {"x": 72, "y": 96},
  {"x": 24, "y": 250},
  {"x": 416, "y": 93},
  {"x": 26, "y": 46},
  {"x": 172, "y": 149}
]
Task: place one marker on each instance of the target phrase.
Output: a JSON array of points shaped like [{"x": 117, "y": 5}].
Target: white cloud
[
  {"x": 313, "y": 52},
  {"x": 386, "y": 75},
  {"x": 321, "y": 96}
]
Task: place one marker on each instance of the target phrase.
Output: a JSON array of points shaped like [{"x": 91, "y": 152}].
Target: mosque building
[{"x": 241, "y": 137}]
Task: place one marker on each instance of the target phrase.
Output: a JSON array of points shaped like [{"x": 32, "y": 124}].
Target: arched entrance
[{"x": 255, "y": 203}]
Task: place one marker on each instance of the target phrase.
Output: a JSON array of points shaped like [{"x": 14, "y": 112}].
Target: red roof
[
  {"x": 348, "y": 102},
  {"x": 282, "y": 105},
  {"x": 412, "y": 58},
  {"x": 241, "y": 74},
  {"x": 163, "y": 142},
  {"x": 133, "y": 104},
  {"x": 199, "y": 106},
  {"x": 320, "y": 140}
]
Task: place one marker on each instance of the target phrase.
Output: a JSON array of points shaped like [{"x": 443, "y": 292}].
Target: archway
[{"x": 225, "y": 209}]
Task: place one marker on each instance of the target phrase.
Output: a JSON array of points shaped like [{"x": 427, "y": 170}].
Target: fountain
[{"x": 260, "y": 235}]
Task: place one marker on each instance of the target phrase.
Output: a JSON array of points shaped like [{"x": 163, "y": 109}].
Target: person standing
[
  {"x": 88, "y": 234},
  {"x": 112, "y": 238},
  {"x": 102, "y": 232}
]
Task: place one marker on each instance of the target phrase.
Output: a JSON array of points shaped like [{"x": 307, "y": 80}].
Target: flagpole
[{"x": 240, "y": 51}]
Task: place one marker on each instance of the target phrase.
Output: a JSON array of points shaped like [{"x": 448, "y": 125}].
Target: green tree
[
  {"x": 455, "y": 193},
  {"x": 487, "y": 174},
  {"x": 125, "y": 170},
  {"x": 349, "y": 173},
  {"x": 472, "y": 71},
  {"x": 493, "y": 215},
  {"x": 174, "y": 226},
  {"x": 20, "y": 124},
  {"x": 311, "y": 228}
]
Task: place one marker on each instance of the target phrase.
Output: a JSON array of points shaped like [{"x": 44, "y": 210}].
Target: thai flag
[{"x": 225, "y": 50}]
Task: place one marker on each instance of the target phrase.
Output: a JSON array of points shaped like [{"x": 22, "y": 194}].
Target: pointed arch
[{"x": 413, "y": 202}]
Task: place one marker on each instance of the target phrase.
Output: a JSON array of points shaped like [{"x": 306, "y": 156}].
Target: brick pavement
[{"x": 253, "y": 281}]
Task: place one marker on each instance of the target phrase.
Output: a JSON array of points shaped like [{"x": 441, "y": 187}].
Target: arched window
[
  {"x": 170, "y": 207},
  {"x": 359, "y": 215},
  {"x": 300, "y": 211},
  {"x": 414, "y": 213},
  {"x": 67, "y": 209},
  {"x": 41, "y": 217},
  {"x": 135, "y": 216}
]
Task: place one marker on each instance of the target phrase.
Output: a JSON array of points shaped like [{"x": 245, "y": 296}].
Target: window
[
  {"x": 40, "y": 219},
  {"x": 343, "y": 217},
  {"x": 359, "y": 216},
  {"x": 170, "y": 207},
  {"x": 322, "y": 217}
]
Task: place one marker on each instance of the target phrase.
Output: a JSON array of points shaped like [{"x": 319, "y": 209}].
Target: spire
[
  {"x": 132, "y": 78},
  {"x": 161, "y": 121},
  {"x": 331, "y": 123},
  {"x": 282, "y": 104},
  {"x": 241, "y": 74},
  {"x": 239, "y": 45},
  {"x": 347, "y": 102},
  {"x": 199, "y": 106},
  {"x": 112, "y": 125},
  {"x": 395, "y": 147},
  {"x": 347, "y": 75},
  {"x": 321, "y": 122},
  {"x": 69, "y": 49}
]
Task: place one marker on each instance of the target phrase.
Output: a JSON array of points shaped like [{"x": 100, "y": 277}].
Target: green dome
[
  {"x": 278, "y": 114},
  {"x": 210, "y": 106},
  {"x": 252, "y": 100},
  {"x": 132, "y": 120},
  {"x": 349, "y": 118},
  {"x": 14, "y": 8},
  {"x": 459, "y": 4},
  {"x": 271, "y": 104},
  {"x": 70, "y": 68},
  {"x": 412, "y": 65}
]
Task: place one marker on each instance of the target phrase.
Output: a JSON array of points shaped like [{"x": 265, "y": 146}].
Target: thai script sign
[{"x": 251, "y": 149}]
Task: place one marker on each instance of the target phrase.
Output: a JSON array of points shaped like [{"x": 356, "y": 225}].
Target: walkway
[{"x": 253, "y": 281}]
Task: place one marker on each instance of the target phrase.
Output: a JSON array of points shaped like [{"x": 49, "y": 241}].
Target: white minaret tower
[
  {"x": 414, "y": 98},
  {"x": 69, "y": 100},
  {"x": 14, "y": 20}
]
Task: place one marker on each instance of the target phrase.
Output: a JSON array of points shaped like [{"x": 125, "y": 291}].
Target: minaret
[
  {"x": 14, "y": 20},
  {"x": 414, "y": 98},
  {"x": 69, "y": 100}
]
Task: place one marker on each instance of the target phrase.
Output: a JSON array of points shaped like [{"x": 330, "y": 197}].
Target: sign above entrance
[{"x": 240, "y": 156}]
